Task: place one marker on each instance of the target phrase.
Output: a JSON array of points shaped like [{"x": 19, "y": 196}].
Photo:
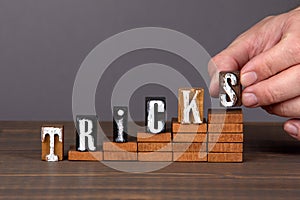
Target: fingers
[
  {"x": 292, "y": 127},
  {"x": 278, "y": 88},
  {"x": 230, "y": 59},
  {"x": 214, "y": 85},
  {"x": 260, "y": 37},
  {"x": 282, "y": 56},
  {"x": 289, "y": 108}
]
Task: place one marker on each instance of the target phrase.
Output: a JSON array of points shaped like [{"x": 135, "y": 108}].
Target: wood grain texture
[
  {"x": 189, "y": 147},
  {"x": 189, "y": 137},
  {"x": 225, "y": 147},
  {"x": 188, "y": 128},
  {"x": 225, "y": 157},
  {"x": 148, "y": 137},
  {"x": 270, "y": 169},
  {"x": 153, "y": 146},
  {"x": 225, "y": 137},
  {"x": 226, "y": 116},
  {"x": 189, "y": 156},
  {"x": 119, "y": 156},
  {"x": 155, "y": 156},
  {"x": 74, "y": 155},
  {"x": 236, "y": 88},
  {"x": 225, "y": 128},
  {"x": 114, "y": 146},
  {"x": 58, "y": 145},
  {"x": 199, "y": 102}
]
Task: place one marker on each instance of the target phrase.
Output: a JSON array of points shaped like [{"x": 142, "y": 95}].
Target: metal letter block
[
  {"x": 87, "y": 128},
  {"x": 155, "y": 114},
  {"x": 120, "y": 121},
  {"x": 230, "y": 89}
]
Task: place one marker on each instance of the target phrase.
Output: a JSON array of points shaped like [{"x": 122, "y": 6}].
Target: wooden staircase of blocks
[{"x": 220, "y": 139}]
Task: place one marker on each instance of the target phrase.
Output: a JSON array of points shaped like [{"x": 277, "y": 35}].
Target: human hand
[{"x": 268, "y": 55}]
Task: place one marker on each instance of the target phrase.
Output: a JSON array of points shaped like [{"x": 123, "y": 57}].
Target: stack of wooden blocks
[
  {"x": 154, "y": 147},
  {"x": 191, "y": 139},
  {"x": 113, "y": 151},
  {"x": 225, "y": 135},
  {"x": 189, "y": 142}
]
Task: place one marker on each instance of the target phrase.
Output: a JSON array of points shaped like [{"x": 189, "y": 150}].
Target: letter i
[{"x": 120, "y": 114}]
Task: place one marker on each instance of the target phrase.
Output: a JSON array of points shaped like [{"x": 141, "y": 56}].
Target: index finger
[{"x": 231, "y": 59}]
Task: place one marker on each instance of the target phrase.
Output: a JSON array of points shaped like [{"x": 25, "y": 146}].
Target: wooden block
[
  {"x": 189, "y": 137},
  {"x": 230, "y": 89},
  {"x": 52, "y": 142},
  {"x": 115, "y": 146},
  {"x": 190, "y": 105},
  {"x": 87, "y": 129},
  {"x": 225, "y": 147},
  {"x": 148, "y": 147},
  {"x": 188, "y": 128},
  {"x": 74, "y": 155},
  {"x": 225, "y": 128},
  {"x": 119, "y": 156},
  {"x": 149, "y": 137},
  {"x": 120, "y": 123},
  {"x": 225, "y": 116},
  {"x": 155, "y": 118},
  {"x": 227, "y": 137},
  {"x": 155, "y": 156},
  {"x": 225, "y": 157},
  {"x": 190, "y": 156},
  {"x": 189, "y": 147}
]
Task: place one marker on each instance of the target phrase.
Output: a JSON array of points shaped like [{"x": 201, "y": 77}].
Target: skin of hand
[{"x": 268, "y": 56}]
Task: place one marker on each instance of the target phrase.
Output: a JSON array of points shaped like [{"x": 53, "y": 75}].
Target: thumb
[
  {"x": 231, "y": 59},
  {"x": 292, "y": 127},
  {"x": 257, "y": 39}
]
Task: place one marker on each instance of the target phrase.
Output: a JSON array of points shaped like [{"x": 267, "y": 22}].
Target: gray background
[{"x": 42, "y": 44}]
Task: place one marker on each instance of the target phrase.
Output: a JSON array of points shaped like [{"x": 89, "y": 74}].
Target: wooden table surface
[{"x": 271, "y": 170}]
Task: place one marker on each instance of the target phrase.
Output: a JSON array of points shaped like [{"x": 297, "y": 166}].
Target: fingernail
[
  {"x": 248, "y": 79},
  {"x": 291, "y": 129},
  {"x": 249, "y": 99}
]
